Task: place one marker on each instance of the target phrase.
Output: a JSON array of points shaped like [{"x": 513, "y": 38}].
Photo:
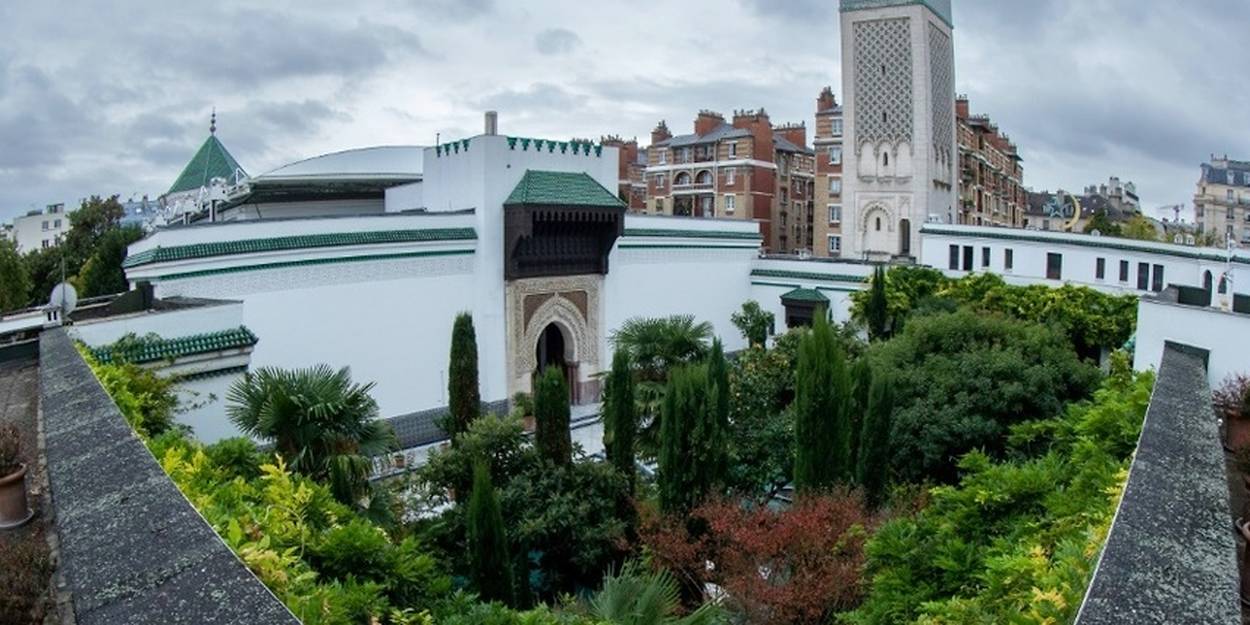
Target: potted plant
[{"x": 14, "y": 511}]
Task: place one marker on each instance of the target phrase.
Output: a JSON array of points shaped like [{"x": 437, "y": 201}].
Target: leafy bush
[
  {"x": 761, "y": 436},
  {"x": 238, "y": 456},
  {"x": 25, "y": 568},
  {"x": 146, "y": 400},
  {"x": 753, "y": 322},
  {"x": 1232, "y": 398},
  {"x": 1015, "y": 541},
  {"x": 962, "y": 379}
]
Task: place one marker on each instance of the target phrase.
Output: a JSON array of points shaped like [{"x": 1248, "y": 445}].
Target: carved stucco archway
[
  {"x": 872, "y": 239},
  {"x": 572, "y": 304}
]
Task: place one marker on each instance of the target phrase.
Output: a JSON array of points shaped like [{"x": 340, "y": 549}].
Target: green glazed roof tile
[
  {"x": 153, "y": 349},
  {"x": 212, "y": 160},
  {"x": 805, "y": 295},
  {"x": 306, "y": 241},
  {"x": 806, "y": 275},
  {"x": 559, "y": 188}
]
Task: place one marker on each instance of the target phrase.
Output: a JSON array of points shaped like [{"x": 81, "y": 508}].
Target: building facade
[
  {"x": 827, "y": 141},
  {"x": 632, "y": 188},
  {"x": 899, "y": 154},
  {"x": 991, "y": 173},
  {"x": 1222, "y": 201},
  {"x": 40, "y": 229},
  {"x": 747, "y": 169}
]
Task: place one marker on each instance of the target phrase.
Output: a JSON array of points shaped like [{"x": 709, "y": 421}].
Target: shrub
[
  {"x": 25, "y": 568},
  {"x": 10, "y": 449},
  {"x": 1232, "y": 398},
  {"x": 761, "y": 429},
  {"x": 822, "y": 408},
  {"x": 146, "y": 400},
  {"x": 488, "y": 544},
  {"x": 551, "y": 418},
  {"x": 465, "y": 399},
  {"x": 238, "y": 456},
  {"x": 753, "y": 322}
]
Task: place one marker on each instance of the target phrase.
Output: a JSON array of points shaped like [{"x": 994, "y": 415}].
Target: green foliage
[
  {"x": 904, "y": 288},
  {"x": 861, "y": 382},
  {"x": 690, "y": 439},
  {"x": 88, "y": 225},
  {"x": 874, "y": 439},
  {"x": 754, "y": 322},
  {"x": 325, "y": 563},
  {"x": 551, "y": 418},
  {"x": 465, "y": 400},
  {"x": 716, "y": 424},
  {"x": 43, "y": 266},
  {"x": 761, "y": 431},
  {"x": 636, "y": 596},
  {"x": 14, "y": 278},
  {"x": 962, "y": 379},
  {"x": 1103, "y": 224},
  {"x": 620, "y": 420},
  {"x": 1016, "y": 541},
  {"x": 658, "y": 344},
  {"x": 238, "y": 456},
  {"x": 102, "y": 273},
  {"x": 876, "y": 313},
  {"x": 488, "y": 543},
  {"x": 322, "y": 423},
  {"x": 146, "y": 400},
  {"x": 1140, "y": 228},
  {"x": 499, "y": 441},
  {"x": 822, "y": 406}
]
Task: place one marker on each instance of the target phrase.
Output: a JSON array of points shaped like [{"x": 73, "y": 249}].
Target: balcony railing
[{"x": 694, "y": 187}]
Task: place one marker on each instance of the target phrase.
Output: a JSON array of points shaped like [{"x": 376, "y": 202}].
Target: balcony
[{"x": 694, "y": 187}]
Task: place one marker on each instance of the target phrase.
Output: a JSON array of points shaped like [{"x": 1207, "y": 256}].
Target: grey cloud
[
  {"x": 538, "y": 98},
  {"x": 798, "y": 10},
  {"x": 454, "y": 9},
  {"x": 557, "y": 41},
  {"x": 35, "y": 119}
]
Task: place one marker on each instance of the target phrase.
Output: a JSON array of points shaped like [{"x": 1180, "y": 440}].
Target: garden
[{"x": 955, "y": 454}]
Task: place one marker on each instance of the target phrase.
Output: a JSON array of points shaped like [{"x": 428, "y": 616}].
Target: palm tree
[
  {"x": 635, "y": 596},
  {"x": 323, "y": 425}
]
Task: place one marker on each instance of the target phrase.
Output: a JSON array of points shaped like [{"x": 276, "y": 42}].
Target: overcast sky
[{"x": 114, "y": 97}]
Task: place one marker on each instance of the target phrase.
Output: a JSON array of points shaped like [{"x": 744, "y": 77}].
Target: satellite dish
[{"x": 64, "y": 298}]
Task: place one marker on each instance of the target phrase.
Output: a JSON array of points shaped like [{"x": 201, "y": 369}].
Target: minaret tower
[{"x": 899, "y": 151}]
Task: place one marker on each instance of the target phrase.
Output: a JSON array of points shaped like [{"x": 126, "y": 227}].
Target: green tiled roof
[
  {"x": 806, "y": 295},
  {"x": 211, "y": 161},
  {"x": 306, "y": 241},
  {"x": 151, "y": 349},
  {"x": 806, "y": 275},
  {"x": 559, "y": 188}
]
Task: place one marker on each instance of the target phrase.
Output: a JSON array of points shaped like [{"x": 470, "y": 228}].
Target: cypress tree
[
  {"x": 687, "y": 439},
  {"x": 876, "y": 312},
  {"x": 464, "y": 398},
  {"x": 875, "y": 440},
  {"x": 718, "y": 412},
  {"x": 619, "y": 418},
  {"x": 861, "y": 379},
  {"x": 488, "y": 544},
  {"x": 551, "y": 417},
  {"x": 822, "y": 400}
]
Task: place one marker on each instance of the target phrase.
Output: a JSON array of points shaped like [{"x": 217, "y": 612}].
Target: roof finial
[{"x": 212, "y": 124}]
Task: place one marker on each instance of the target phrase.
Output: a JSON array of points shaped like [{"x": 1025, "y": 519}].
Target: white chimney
[{"x": 492, "y": 123}]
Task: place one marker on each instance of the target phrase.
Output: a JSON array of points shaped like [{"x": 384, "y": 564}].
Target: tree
[
  {"x": 1141, "y": 228},
  {"x": 1103, "y": 224},
  {"x": 861, "y": 381},
  {"x": 761, "y": 447},
  {"x": 689, "y": 440},
  {"x": 43, "y": 266},
  {"x": 14, "y": 280},
  {"x": 716, "y": 423},
  {"x": 323, "y": 425},
  {"x": 102, "y": 273},
  {"x": 876, "y": 313},
  {"x": 95, "y": 217},
  {"x": 822, "y": 399},
  {"x": 874, "y": 439},
  {"x": 754, "y": 322},
  {"x": 658, "y": 344},
  {"x": 963, "y": 379},
  {"x": 551, "y": 417},
  {"x": 464, "y": 398},
  {"x": 619, "y": 418},
  {"x": 488, "y": 543}
]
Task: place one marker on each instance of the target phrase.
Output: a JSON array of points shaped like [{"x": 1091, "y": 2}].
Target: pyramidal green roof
[
  {"x": 212, "y": 160},
  {"x": 561, "y": 188},
  {"x": 806, "y": 295}
]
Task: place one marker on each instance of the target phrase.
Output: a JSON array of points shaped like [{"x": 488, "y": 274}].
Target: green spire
[{"x": 212, "y": 160}]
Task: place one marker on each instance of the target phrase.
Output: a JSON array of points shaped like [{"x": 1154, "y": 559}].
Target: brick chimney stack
[
  {"x": 826, "y": 100},
  {"x": 660, "y": 133},
  {"x": 758, "y": 124},
  {"x": 707, "y": 121},
  {"x": 961, "y": 107},
  {"x": 794, "y": 133}
]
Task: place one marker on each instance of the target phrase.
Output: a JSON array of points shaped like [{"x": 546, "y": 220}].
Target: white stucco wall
[
  {"x": 1225, "y": 335},
  {"x": 168, "y": 324},
  {"x": 202, "y": 403},
  {"x": 835, "y": 279}
]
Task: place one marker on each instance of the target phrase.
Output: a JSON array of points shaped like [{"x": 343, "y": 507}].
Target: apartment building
[
  {"x": 827, "y": 141},
  {"x": 742, "y": 169},
  {"x": 991, "y": 172},
  {"x": 632, "y": 173},
  {"x": 40, "y": 229},
  {"x": 1222, "y": 200}
]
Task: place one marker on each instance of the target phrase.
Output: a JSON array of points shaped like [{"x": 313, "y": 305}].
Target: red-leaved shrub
[{"x": 1232, "y": 398}]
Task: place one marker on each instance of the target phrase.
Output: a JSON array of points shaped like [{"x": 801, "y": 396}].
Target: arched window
[
  {"x": 682, "y": 178},
  {"x": 703, "y": 177},
  {"x": 878, "y": 224},
  {"x": 885, "y": 159},
  {"x": 1223, "y": 285}
]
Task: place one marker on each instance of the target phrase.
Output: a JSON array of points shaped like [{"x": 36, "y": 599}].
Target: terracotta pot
[{"x": 14, "y": 510}]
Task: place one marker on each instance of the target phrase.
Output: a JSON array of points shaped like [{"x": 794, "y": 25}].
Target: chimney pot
[{"x": 492, "y": 122}]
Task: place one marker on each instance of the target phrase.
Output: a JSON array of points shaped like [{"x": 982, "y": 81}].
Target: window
[
  {"x": 837, "y": 128},
  {"x": 954, "y": 261},
  {"x": 967, "y": 258},
  {"x": 1100, "y": 268},
  {"x": 1143, "y": 276},
  {"x": 1054, "y": 266},
  {"x": 659, "y": 206},
  {"x": 663, "y": 156},
  {"x": 685, "y": 155},
  {"x": 1008, "y": 260},
  {"x": 1230, "y": 195},
  {"x": 835, "y": 186},
  {"x": 835, "y": 213},
  {"x": 985, "y": 257},
  {"x": 885, "y": 159},
  {"x": 1124, "y": 271},
  {"x": 835, "y": 155},
  {"x": 47, "y": 243},
  {"x": 730, "y": 203},
  {"x": 835, "y": 245},
  {"x": 659, "y": 181},
  {"x": 733, "y": 150},
  {"x": 783, "y": 220},
  {"x": 729, "y": 176},
  {"x": 878, "y": 224},
  {"x": 56, "y": 223},
  {"x": 45, "y": 225},
  {"x": 1156, "y": 279}
]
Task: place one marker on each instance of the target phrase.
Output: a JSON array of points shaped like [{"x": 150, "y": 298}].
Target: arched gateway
[{"x": 558, "y": 231}]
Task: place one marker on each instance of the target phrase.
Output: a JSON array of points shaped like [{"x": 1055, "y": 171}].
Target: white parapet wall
[{"x": 1225, "y": 335}]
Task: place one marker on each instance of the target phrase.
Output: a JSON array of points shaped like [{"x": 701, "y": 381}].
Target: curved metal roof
[{"x": 385, "y": 162}]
